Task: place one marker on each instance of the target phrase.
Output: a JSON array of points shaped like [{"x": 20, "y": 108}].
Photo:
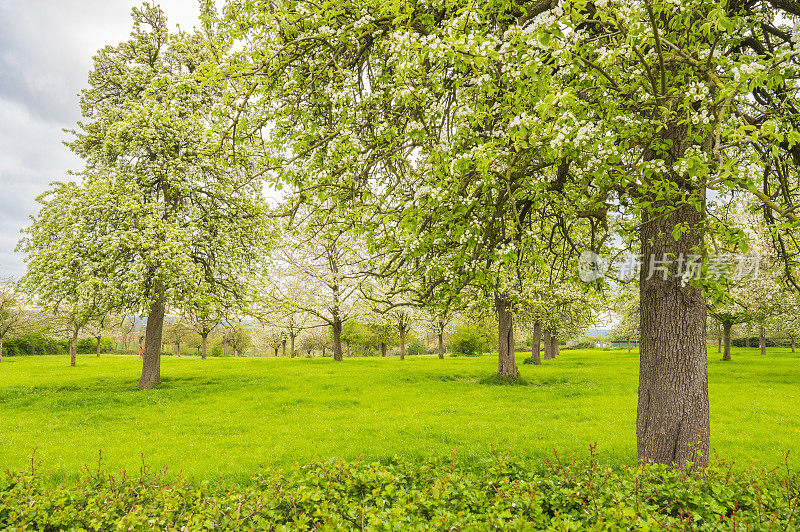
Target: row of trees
[{"x": 450, "y": 157}]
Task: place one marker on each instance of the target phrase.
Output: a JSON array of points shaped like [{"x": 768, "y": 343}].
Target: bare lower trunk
[
  {"x": 726, "y": 333},
  {"x": 672, "y": 424},
  {"x": 548, "y": 345},
  {"x": 762, "y": 340},
  {"x": 283, "y": 352},
  {"x": 719, "y": 345},
  {"x": 151, "y": 363},
  {"x": 402, "y": 343},
  {"x": 73, "y": 348},
  {"x": 291, "y": 345},
  {"x": 506, "y": 365},
  {"x": 536, "y": 342},
  {"x": 204, "y": 345},
  {"x": 629, "y": 345},
  {"x": 226, "y": 345},
  {"x": 383, "y": 349},
  {"x": 98, "y": 338},
  {"x": 1, "y": 349},
  {"x": 554, "y": 349},
  {"x": 276, "y": 351},
  {"x": 441, "y": 344},
  {"x": 747, "y": 340},
  {"x": 178, "y": 349},
  {"x": 337, "y": 339},
  {"x": 1, "y": 346}
]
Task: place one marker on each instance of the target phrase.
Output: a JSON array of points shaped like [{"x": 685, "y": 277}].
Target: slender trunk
[
  {"x": 747, "y": 340},
  {"x": 226, "y": 344},
  {"x": 554, "y": 339},
  {"x": 73, "y": 347},
  {"x": 337, "y": 339},
  {"x": 178, "y": 348},
  {"x": 1, "y": 348},
  {"x": 719, "y": 344},
  {"x": 291, "y": 345},
  {"x": 283, "y": 343},
  {"x": 672, "y": 424},
  {"x": 506, "y": 365},
  {"x": 440, "y": 336},
  {"x": 276, "y": 351},
  {"x": 535, "y": 343},
  {"x": 349, "y": 350},
  {"x": 98, "y": 338},
  {"x": 204, "y": 345},
  {"x": 726, "y": 333},
  {"x": 383, "y": 349},
  {"x": 151, "y": 365},
  {"x": 762, "y": 340},
  {"x": 402, "y": 343},
  {"x": 548, "y": 345}
]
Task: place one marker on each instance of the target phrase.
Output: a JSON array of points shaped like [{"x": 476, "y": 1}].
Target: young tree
[
  {"x": 12, "y": 311},
  {"x": 170, "y": 215}
]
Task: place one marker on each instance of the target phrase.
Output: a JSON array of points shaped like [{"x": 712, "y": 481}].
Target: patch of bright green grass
[{"x": 229, "y": 417}]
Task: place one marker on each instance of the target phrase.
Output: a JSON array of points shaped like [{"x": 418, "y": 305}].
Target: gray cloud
[{"x": 46, "y": 48}]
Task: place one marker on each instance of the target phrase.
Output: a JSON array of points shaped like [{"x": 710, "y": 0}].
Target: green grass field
[{"x": 226, "y": 418}]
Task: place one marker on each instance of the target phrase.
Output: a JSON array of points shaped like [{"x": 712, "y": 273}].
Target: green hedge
[
  {"x": 402, "y": 495},
  {"x": 32, "y": 345}
]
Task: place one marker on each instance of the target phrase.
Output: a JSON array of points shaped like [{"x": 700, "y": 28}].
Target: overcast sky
[{"x": 46, "y": 48}]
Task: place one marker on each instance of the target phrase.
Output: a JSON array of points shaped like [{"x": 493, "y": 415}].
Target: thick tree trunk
[
  {"x": 554, "y": 349},
  {"x": 536, "y": 343},
  {"x": 337, "y": 339},
  {"x": 672, "y": 424},
  {"x": 726, "y": 333},
  {"x": 548, "y": 345},
  {"x": 98, "y": 338},
  {"x": 204, "y": 345},
  {"x": 762, "y": 340},
  {"x": 402, "y": 343},
  {"x": 151, "y": 364},
  {"x": 441, "y": 344},
  {"x": 506, "y": 365}
]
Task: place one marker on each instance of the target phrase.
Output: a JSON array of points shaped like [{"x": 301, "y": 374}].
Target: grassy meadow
[{"x": 225, "y": 418}]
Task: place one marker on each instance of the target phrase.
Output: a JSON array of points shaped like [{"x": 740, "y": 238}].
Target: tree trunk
[
  {"x": 73, "y": 347},
  {"x": 98, "y": 338},
  {"x": 383, "y": 349},
  {"x": 440, "y": 336},
  {"x": 726, "y": 333},
  {"x": 283, "y": 343},
  {"x": 554, "y": 339},
  {"x": 747, "y": 340},
  {"x": 506, "y": 365},
  {"x": 1, "y": 348},
  {"x": 337, "y": 339},
  {"x": 672, "y": 424},
  {"x": 762, "y": 340},
  {"x": 178, "y": 348},
  {"x": 536, "y": 342},
  {"x": 402, "y": 343},
  {"x": 719, "y": 344},
  {"x": 151, "y": 364},
  {"x": 548, "y": 345},
  {"x": 226, "y": 344},
  {"x": 204, "y": 345},
  {"x": 291, "y": 345}
]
